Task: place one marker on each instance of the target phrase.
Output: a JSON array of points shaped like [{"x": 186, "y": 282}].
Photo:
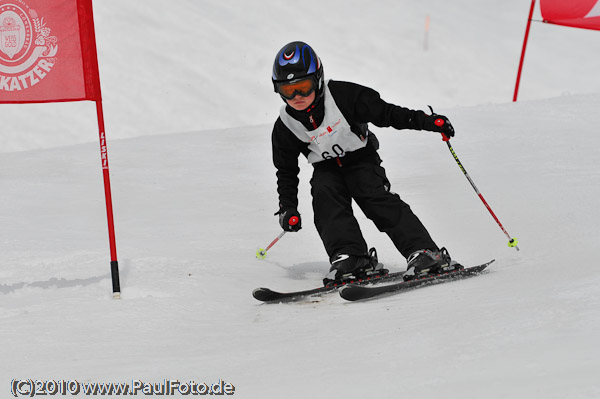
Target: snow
[{"x": 189, "y": 109}]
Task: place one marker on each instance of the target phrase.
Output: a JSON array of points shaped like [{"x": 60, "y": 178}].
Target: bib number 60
[{"x": 336, "y": 149}]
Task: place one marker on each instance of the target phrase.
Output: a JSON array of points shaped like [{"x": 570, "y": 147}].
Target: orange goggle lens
[{"x": 303, "y": 87}]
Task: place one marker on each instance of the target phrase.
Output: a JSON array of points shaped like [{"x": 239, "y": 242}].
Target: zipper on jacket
[{"x": 312, "y": 120}]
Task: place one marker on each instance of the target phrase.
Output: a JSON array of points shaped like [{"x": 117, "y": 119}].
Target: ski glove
[
  {"x": 438, "y": 123},
  {"x": 289, "y": 219}
]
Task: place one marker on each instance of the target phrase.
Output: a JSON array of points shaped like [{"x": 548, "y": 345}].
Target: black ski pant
[{"x": 364, "y": 181}]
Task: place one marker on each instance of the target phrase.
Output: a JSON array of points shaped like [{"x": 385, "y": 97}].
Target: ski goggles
[{"x": 303, "y": 87}]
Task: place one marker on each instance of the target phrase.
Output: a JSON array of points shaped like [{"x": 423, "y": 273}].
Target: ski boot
[
  {"x": 426, "y": 261},
  {"x": 346, "y": 268}
]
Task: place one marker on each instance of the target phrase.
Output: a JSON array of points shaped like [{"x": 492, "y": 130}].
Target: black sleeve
[
  {"x": 286, "y": 150},
  {"x": 365, "y": 105}
]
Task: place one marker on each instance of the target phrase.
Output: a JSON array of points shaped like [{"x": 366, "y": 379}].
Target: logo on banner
[{"x": 27, "y": 47}]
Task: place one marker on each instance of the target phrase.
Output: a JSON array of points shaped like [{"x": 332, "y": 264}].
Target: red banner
[
  {"x": 47, "y": 51},
  {"x": 577, "y": 13}
]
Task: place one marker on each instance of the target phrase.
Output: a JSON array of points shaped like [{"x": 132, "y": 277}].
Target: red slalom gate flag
[
  {"x": 576, "y": 13},
  {"x": 47, "y": 51},
  {"x": 48, "y": 54}
]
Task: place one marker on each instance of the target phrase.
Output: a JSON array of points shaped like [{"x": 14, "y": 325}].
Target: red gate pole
[
  {"x": 523, "y": 51},
  {"x": 114, "y": 264}
]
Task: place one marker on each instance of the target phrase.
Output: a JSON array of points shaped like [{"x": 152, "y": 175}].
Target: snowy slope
[
  {"x": 192, "y": 207},
  {"x": 189, "y": 219}
]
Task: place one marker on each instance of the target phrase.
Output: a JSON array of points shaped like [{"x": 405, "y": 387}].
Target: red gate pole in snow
[
  {"x": 114, "y": 264},
  {"x": 88, "y": 30},
  {"x": 523, "y": 51}
]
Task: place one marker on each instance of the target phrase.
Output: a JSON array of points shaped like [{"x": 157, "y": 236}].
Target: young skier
[{"x": 327, "y": 122}]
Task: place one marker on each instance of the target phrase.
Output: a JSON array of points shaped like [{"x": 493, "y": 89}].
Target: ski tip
[
  {"x": 262, "y": 294},
  {"x": 353, "y": 292}
]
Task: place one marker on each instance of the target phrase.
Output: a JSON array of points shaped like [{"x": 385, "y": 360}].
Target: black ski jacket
[{"x": 359, "y": 105}]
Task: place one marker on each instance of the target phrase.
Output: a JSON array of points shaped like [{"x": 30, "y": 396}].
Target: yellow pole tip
[{"x": 261, "y": 253}]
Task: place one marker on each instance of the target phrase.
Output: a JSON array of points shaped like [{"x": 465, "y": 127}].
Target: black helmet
[{"x": 296, "y": 61}]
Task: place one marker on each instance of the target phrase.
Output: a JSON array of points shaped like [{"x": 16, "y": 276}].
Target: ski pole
[
  {"x": 512, "y": 242},
  {"x": 262, "y": 252}
]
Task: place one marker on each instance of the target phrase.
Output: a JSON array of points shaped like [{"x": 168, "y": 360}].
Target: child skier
[{"x": 327, "y": 122}]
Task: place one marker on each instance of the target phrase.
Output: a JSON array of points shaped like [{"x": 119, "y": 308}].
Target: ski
[
  {"x": 268, "y": 295},
  {"x": 354, "y": 292}
]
